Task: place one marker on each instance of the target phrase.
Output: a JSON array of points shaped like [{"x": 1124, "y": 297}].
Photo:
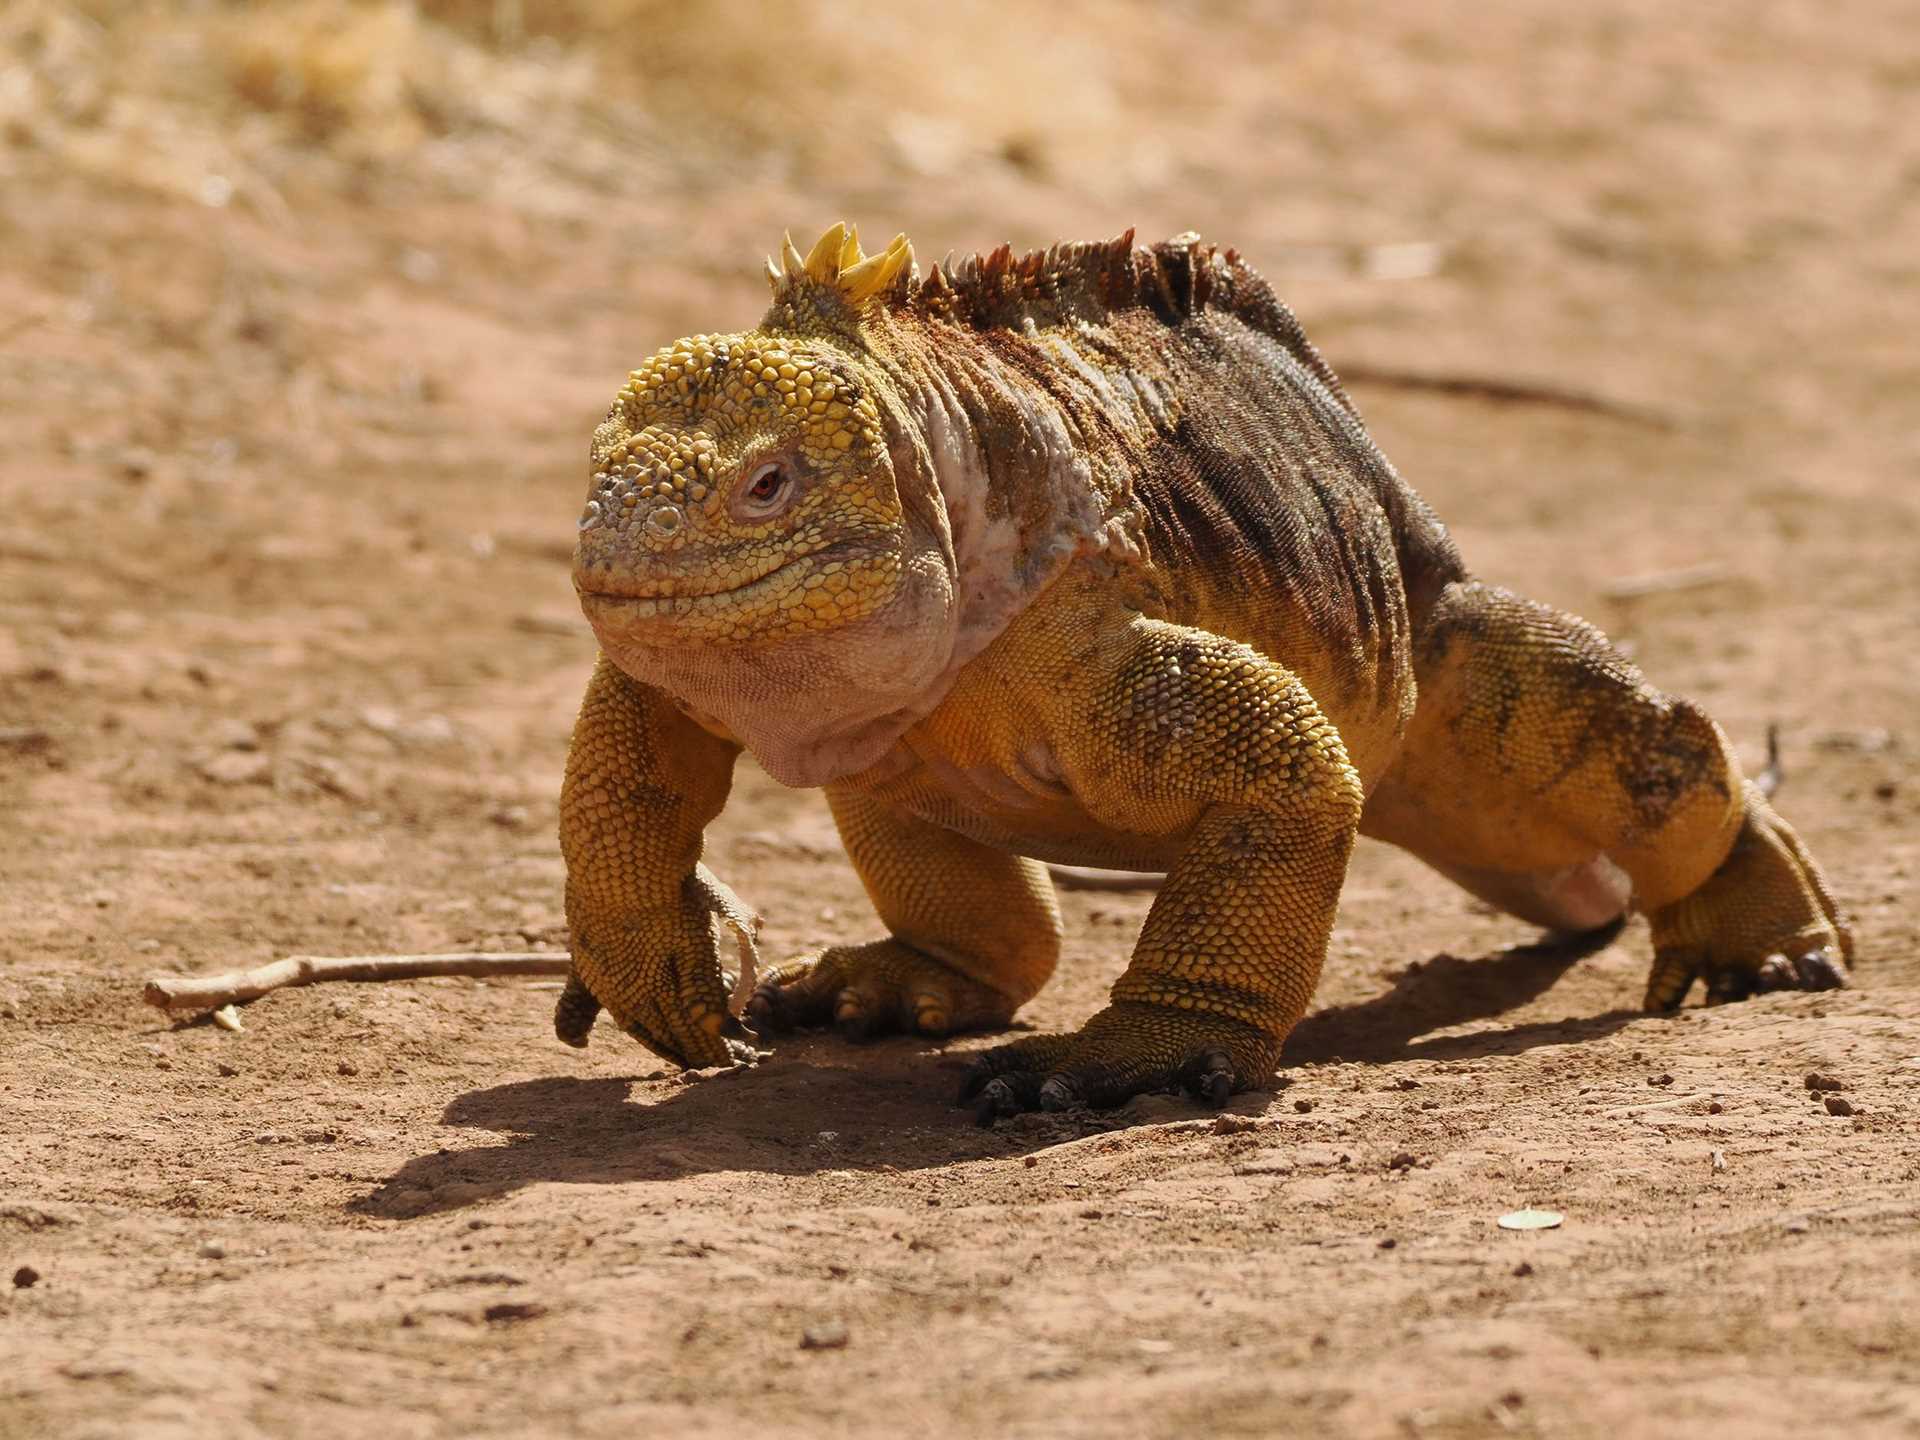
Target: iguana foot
[
  {"x": 1125, "y": 1050},
  {"x": 875, "y": 989},
  {"x": 1765, "y": 920}
]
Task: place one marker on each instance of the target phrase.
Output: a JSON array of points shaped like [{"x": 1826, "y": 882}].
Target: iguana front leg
[
  {"x": 974, "y": 934},
  {"x": 1181, "y": 732},
  {"x": 642, "y": 783}
]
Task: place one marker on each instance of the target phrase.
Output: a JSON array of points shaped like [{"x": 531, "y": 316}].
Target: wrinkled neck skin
[{"x": 998, "y": 501}]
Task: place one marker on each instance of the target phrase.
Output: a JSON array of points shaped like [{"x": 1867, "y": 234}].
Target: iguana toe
[
  {"x": 1003, "y": 1095},
  {"x": 875, "y": 989},
  {"x": 1125, "y": 1050},
  {"x": 574, "y": 1013},
  {"x": 1764, "y": 921}
]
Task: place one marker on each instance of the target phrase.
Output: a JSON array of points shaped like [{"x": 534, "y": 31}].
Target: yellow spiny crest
[{"x": 836, "y": 260}]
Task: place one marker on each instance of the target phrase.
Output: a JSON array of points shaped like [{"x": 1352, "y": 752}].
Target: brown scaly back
[{"x": 1076, "y": 283}]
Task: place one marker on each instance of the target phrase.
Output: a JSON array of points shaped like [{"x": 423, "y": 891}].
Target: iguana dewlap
[{"x": 1086, "y": 557}]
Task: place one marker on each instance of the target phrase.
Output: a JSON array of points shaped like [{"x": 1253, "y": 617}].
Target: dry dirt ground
[{"x": 304, "y": 320}]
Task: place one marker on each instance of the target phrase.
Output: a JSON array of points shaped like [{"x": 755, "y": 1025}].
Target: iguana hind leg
[
  {"x": 1178, "y": 732},
  {"x": 1542, "y": 772},
  {"x": 975, "y": 934}
]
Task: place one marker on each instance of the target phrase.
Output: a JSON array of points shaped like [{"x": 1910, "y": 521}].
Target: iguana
[{"x": 1084, "y": 556}]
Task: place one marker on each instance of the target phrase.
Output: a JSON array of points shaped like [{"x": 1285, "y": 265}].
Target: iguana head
[{"x": 745, "y": 544}]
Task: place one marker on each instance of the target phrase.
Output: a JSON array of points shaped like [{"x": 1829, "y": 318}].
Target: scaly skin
[
  {"x": 1085, "y": 557},
  {"x": 639, "y": 916}
]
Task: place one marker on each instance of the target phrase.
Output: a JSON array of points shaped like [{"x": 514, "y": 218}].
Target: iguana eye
[{"x": 766, "y": 488}]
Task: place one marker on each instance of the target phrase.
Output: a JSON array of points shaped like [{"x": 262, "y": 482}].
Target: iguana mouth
[{"x": 670, "y": 595}]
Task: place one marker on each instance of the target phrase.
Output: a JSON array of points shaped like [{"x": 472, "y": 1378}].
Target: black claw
[
  {"x": 1213, "y": 1082},
  {"x": 574, "y": 1013},
  {"x": 1728, "y": 985},
  {"x": 762, "y": 1016},
  {"x": 1020, "y": 1087},
  {"x": 771, "y": 1005},
  {"x": 1819, "y": 971},
  {"x": 997, "y": 1099},
  {"x": 1775, "y": 973},
  {"x": 855, "y": 1026},
  {"x": 1060, "y": 1093}
]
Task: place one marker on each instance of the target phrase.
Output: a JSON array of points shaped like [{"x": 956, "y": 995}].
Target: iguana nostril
[
  {"x": 664, "y": 520},
  {"x": 590, "y": 517}
]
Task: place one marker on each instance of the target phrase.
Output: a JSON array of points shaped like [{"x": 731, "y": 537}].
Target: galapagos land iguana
[{"x": 1085, "y": 556}]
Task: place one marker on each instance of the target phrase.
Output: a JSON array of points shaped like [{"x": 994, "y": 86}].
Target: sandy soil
[{"x": 288, "y": 658}]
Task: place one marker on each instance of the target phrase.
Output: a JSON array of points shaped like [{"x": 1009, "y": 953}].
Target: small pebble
[
  {"x": 1031, "y": 1161},
  {"x": 25, "y": 1278},
  {"x": 1661, "y": 1079},
  {"x": 1531, "y": 1220},
  {"x": 236, "y": 735},
  {"x": 1523, "y": 1269},
  {"x": 228, "y": 1018},
  {"x": 1402, "y": 1161},
  {"x": 1234, "y": 1124},
  {"x": 1838, "y": 1106},
  {"x": 227, "y": 1070},
  {"x": 1303, "y": 1106},
  {"x": 1090, "y": 1214},
  {"x": 830, "y": 1335},
  {"x": 347, "y": 1067},
  {"x": 1714, "y": 1107},
  {"x": 1818, "y": 1081},
  {"x": 213, "y": 1250},
  {"x": 1389, "y": 1243}
]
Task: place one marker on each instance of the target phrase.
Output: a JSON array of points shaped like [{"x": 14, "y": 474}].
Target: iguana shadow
[
  {"x": 1447, "y": 990},
  {"x": 818, "y": 1105}
]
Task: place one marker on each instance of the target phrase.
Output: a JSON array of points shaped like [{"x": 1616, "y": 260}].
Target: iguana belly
[{"x": 1023, "y": 806}]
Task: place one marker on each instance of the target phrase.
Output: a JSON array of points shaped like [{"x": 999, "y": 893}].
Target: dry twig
[
  {"x": 1081, "y": 877},
  {"x": 237, "y": 987},
  {"x": 1512, "y": 392},
  {"x": 1666, "y": 582}
]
